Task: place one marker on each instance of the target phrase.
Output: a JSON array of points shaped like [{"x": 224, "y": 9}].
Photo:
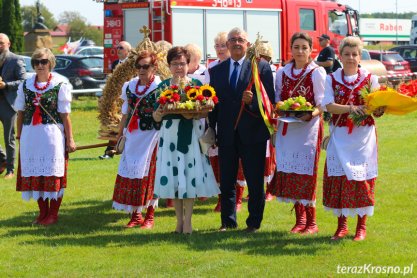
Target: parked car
[
  {"x": 84, "y": 72},
  {"x": 90, "y": 51},
  {"x": 30, "y": 71},
  {"x": 373, "y": 66},
  {"x": 409, "y": 53},
  {"x": 394, "y": 63}
]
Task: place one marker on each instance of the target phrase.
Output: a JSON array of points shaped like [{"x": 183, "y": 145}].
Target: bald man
[
  {"x": 12, "y": 73},
  {"x": 123, "y": 50}
]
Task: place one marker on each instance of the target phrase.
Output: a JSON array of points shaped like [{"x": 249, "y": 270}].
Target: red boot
[
  {"x": 148, "y": 223},
  {"x": 360, "y": 229},
  {"x": 311, "y": 226},
  {"x": 239, "y": 195},
  {"x": 136, "y": 220},
  {"x": 342, "y": 228},
  {"x": 268, "y": 195},
  {"x": 43, "y": 210},
  {"x": 169, "y": 203},
  {"x": 218, "y": 207},
  {"x": 300, "y": 218},
  {"x": 52, "y": 217}
]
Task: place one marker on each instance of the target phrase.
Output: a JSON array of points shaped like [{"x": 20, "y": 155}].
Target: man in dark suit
[
  {"x": 12, "y": 73},
  {"x": 230, "y": 80}
]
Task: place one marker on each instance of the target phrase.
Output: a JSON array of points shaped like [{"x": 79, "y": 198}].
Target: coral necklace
[
  {"x": 353, "y": 83},
  {"x": 296, "y": 76},
  {"x": 43, "y": 87},
  {"x": 140, "y": 93}
]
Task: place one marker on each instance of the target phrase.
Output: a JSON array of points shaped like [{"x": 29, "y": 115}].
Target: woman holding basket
[{"x": 183, "y": 173}]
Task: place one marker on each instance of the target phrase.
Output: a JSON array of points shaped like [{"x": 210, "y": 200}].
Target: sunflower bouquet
[{"x": 189, "y": 99}]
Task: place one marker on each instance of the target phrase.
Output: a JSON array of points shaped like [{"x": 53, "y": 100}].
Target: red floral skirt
[
  {"x": 136, "y": 192},
  {"x": 298, "y": 186},
  {"x": 339, "y": 192},
  {"x": 41, "y": 183}
]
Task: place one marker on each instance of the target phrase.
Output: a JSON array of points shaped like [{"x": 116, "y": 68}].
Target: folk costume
[
  {"x": 352, "y": 159},
  {"x": 182, "y": 171},
  {"x": 134, "y": 186},
  {"x": 43, "y": 162},
  {"x": 298, "y": 145}
]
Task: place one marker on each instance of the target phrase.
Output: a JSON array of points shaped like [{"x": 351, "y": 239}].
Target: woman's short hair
[
  {"x": 39, "y": 52},
  {"x": 220, "y": 37},
  {"x": 176, "y": 53},
  {"x": 146, "y": 54},
  {"x": 303, "y": 36},
  {"x": 351, "y": 42},
  {"x": 194, "y": 50},
  {"x": 163, "y": 45}
]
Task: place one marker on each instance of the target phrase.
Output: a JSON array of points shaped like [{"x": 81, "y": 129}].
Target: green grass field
[{"x": 90, "y": 241}]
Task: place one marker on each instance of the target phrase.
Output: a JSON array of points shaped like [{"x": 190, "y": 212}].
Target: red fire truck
[{"x": 198, "y": 21}]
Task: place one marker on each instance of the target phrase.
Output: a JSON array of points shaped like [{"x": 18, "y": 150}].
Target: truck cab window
[
  {"x": 338, "y": 23},
  {"x": 307, "y": 20}
]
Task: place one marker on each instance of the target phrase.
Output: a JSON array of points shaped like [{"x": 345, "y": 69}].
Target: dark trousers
[
  {"x": 8, "y": 119},
  {"x": 253, "y": 162}
]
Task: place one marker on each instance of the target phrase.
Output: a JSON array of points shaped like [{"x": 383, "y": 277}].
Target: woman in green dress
[{"x": 183, "y": 172}]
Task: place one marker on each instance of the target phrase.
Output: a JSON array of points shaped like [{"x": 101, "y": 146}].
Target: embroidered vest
[
  {"x": 305, "y": 88},
  {"x": 49, "y": 101},
  {"x": 341, "y": 94},
  {"x": 144, "y": 110}
]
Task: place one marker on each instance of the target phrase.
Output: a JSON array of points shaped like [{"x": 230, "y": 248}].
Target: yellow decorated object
[{"x": 394, "y": 102}]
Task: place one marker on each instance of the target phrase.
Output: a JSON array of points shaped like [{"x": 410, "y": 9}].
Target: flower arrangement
[{"x": 191, "y": 98}]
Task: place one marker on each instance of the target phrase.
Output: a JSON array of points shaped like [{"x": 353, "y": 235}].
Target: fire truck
[{"x": 198, "y": 21}]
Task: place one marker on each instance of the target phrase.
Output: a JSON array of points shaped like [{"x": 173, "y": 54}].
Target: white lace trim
[
  {"x": 358, "y": 169},
  {"x": 130, "y": 209},
  {"x": 296, "y": 162},
  {"x": 304, "y": 202},
  {"x": 241, "y": 183},
  {"x": 26, "y": 195},
  {"x": 352, "y": 211},
  {"x": 47, "y": 166}
]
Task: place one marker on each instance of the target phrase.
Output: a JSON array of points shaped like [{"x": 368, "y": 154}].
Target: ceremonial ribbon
[
  {"x": 37, "y": 116},
  {"x": 265, "y": 106}
]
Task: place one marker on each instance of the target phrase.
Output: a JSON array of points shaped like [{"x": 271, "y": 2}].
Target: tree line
[
  {"x": 15, "y": 20},
  {"x": 407, "y": 15}
]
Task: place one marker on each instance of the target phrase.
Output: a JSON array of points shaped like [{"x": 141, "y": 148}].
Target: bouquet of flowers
[{"x": 189, "y": 99}]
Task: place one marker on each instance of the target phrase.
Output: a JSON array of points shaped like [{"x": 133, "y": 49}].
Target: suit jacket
[
  {"x": 13, "y": 73},
  {"x": 251, "y": 127},
  {"x": 114, "y": 64}
]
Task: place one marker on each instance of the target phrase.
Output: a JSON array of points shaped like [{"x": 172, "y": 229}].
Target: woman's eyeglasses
[
  {"x": 220, "y": 46},
  {"x": 178, "y": 65},
  {"x": 120, "y": 47},
  {"x": 37, "y": 62},
  {"x": 145, "y": 67}
]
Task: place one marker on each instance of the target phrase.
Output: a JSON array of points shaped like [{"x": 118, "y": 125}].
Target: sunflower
[
  {"x": 207, "y": 91},
  {"x": 192, "y": 93},
  {"x": 167, "y": 93}
]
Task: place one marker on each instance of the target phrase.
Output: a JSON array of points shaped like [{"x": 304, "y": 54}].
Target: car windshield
[
  {"x": 365, "y": 55},
  {"x": 92, "y": 62},
  {"x": 392, "y": 57}
]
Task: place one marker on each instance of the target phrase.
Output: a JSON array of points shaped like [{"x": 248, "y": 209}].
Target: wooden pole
[{"x": 92, "y": 146}]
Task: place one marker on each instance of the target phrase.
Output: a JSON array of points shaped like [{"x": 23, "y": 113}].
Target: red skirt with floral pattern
[
  {"x": 298, "y": 186},
  {"x": 42, "y": 183},
  {"x": 339, "y": 192},
  {"x": 136, "y": 192}
]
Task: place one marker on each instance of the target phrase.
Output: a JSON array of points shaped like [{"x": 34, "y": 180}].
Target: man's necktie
[{"x": 233, "y": 77}]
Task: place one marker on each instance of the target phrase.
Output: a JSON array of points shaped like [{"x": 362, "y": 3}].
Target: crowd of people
[{"x": 162, "y": 158}]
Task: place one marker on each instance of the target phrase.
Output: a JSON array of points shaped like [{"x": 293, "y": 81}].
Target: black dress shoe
[
  {"x": 251, "y": 230},
  {"x": 105, "y": 156}
]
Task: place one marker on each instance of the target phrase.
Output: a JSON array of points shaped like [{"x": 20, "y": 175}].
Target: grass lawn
[{"x": 90, "y": 241}]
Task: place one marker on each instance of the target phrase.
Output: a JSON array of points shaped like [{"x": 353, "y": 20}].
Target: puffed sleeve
[
  {"x": 20, "y": 99},
  {"x": 64, "y": 98},
  {"x": 125, "y": 105},
  {"x": 328, "y": 93},
  {"x": 374, "y": 82},
  {"x": 319, "y": 78},
  {"x": 278, "y": 85}
]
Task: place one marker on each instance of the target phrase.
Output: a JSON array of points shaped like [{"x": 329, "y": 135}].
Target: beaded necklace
[
  {"x": 140, "y": 93},
  {"x": 296, "y": 76},
  {"x": 43, "y": 87},
  {"x": 354, "y": 82}
]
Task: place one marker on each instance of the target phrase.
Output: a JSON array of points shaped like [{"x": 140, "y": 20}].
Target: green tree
[
  {"x": 12, "y": 24},
  {"x": 1, "y": 19},
  {"x": 79, "y": 28},
  {"x": 408, "y": 15},
  {"x": 29, "y": 17}
]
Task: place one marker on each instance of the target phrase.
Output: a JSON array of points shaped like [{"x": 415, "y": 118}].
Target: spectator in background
[
  {"x": 326, "y": 56},
  {"x": 12, "y": 73},
  {"x": 123, "y": 50},
  {"x": 195, "y": 68}
]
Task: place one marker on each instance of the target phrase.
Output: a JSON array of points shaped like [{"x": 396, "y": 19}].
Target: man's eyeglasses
[
  {"x": 179, "y": 65},
  {"x": 145, "y": 67},
  {"x": 120, "y": 47},
  {"x": 237, "y": 40},
  {"x": 40, "y": 61}
]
